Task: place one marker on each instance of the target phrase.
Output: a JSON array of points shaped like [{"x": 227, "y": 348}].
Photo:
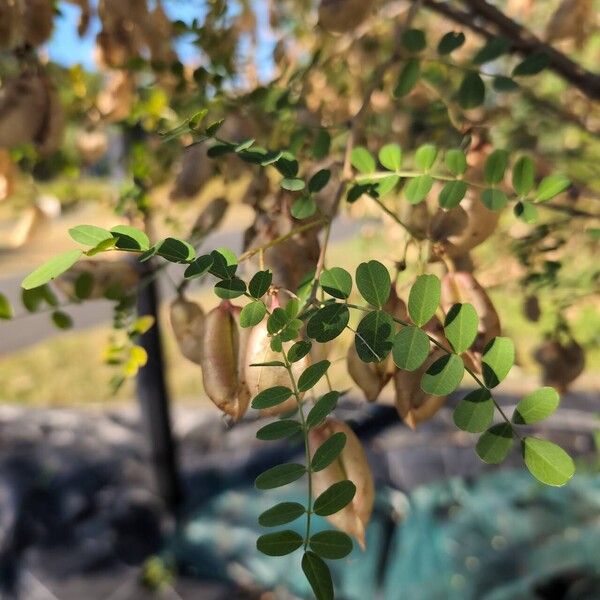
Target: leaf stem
[{"x": 296, "y": 393}]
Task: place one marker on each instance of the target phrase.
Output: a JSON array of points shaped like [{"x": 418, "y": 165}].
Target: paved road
[{"x": 30, "y": 329}]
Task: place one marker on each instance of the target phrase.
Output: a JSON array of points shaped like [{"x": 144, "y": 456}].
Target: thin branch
[{"x": 522, "y": 40}]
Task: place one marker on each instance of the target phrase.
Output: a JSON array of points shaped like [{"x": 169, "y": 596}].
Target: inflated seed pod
[
  {"x": 339, "y": 16},
  {"x": 372, "y": 377},
  {"x": 351, "y": 464},
  {"x": 561, "y": 362},
  {"x": 261, "y": 378},
  {"x": 91, "y": 144},
  {"x": 114, "y": 277},
  {"x": 222, "y": 346},
  {"x": 463, "y": 287},
  {"x": 463, "y": 228},
  {"x": 187, "y": 320},
  {"x": 412, "y": 403}
]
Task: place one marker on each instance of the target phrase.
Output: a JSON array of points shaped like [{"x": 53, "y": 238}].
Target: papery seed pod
[
  {"x": 351, "y": 464},
  {"x": 461, "y": 287},
  {"x": 10, "y": 25},
  {"x": 49, "y": 137},
  {"x": 116, "y": 99},
  {"x": 261, "y": 378},
  {"x": 196, "y": 169},
  {"x": 339, "y": 16},
  {"x": 187, "y": 320},
  {"x": 531, "y": 308},
  {"x": 372, "y": 377},
  {"x": 463, "y": 228},
  {"x": 37, "y": 19},
  {"x": 108, "y": 277},
  {"x": 23, "y": 106},
  {"x": 7, "y": 175},
  {"x": 210, "y": 217},
  {"x": 561, "y": 362},
  {"x": 222, "y": 346},
  {"x": 91, "y": 144},
  {"x": 412, "y": 403}
]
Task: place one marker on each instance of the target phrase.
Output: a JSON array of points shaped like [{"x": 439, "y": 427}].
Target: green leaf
[
  {"x": 386, "y": 185},
  {"x": 494, "y": 445},
  {"x": 331, "y": 544},
  {"x": 414, "y": 40},
  {"x": 425, "y": 157},
  {"x": 547, "y": 462},
  {"x": 323, "y": 407},
  {"x": 328, "y": 451},
  {"x": 362, "y": 160},
  {"x": 260, "y": 283},
  {"x": 498, "y": 358},
  {"x": 471, "y": 92},
  {"x": 175, "y": 250},
  {"x": 373, "y": 282},
  {"x": 318, "y": 575},
  {"x": 269, "y": 363},
  {"x": 279, "y": 543},
  {"x": 390, "y": 156},
  {"x": 536, "y": 406},
  {"x": 493, "y": 48},
  {"x": 424, "y": 299},
  {"x": 278, "y": 319},
  {"x": 407, "y": 79},
  {"x": 230, "y": 288},
  {"x": 312, "y": 374},
  {"x": 373, "y": 339},
  {"x": 475, "y": 412},
  {"x": 104, "y": 246},
  {"x": 526, "y": 211},
  {"x": 443, "y": 376},
  {"x": 287, "y": 165},
  {"x": 356, "y": 191},
  {"x": 334, "y": 498},
  {"x": 281, "y": 514},
  {"x": 279, "y": 476},
  {"x": 336, "y": 282},
  {"x": 62, "y": 320},
  {"x": 50, "y": 270},
  {"x": 452, "y": 193},
  {"x": 321, "y": 144},
  {"x": 199, "y": 267},
  {"x": 328, "y": 323},
  {"x": 6, "y": 311},
  {"x": 32, "y": 298},
  {"x": 298, "y": 351},
  {"x": 532, "y": 65},
  {"x": 279, "y": 430},
  {"x": 411, "y": 348},
  {"x": 523, "y": 175},
  {"x": 417, "y": 188},
  {"x": 304, "y": 207},
  {"x": 451, "y": 41},
  {"x": 319, "y": 180},
  {"x": 90, "y": 235},
  {"x": 495, "y": 166},
  {"x": 271, "y": 397},
  {"x": 292, "y": 184},
  {"x": 130, "y": 238},
  {"x": 455, "y": 161},
  {"x": 494, "y": 199},
  {"x": 504, "y": 84},
  {"x": 252, "y": 314},
  {"x": 460, "y": 326},
  {"x": 551, "y": 186},
  {"x": 224, "y": 263}
]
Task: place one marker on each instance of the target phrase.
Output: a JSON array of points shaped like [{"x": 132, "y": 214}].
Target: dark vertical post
[{"x": 153, "y": 397}]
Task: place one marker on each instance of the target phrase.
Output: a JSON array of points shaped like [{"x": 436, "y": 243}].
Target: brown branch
[{"x": 522, "y": 41}]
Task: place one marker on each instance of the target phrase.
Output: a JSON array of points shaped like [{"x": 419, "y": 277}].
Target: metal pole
[{"x": 153, "y": 397}]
